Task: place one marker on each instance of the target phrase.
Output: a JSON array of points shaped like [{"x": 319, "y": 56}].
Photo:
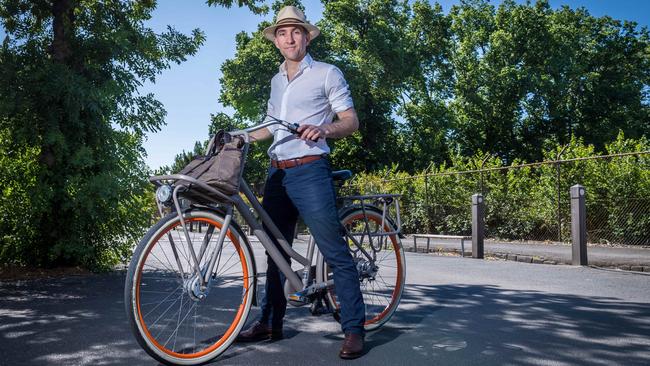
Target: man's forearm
[
  {"x": 261, "y": 134},
  {"x": 345, "y": 126}
]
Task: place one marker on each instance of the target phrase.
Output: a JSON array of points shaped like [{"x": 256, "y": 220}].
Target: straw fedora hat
[{"x": 290, "y": 15}]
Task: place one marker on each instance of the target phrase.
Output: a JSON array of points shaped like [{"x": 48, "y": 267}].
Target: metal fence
[
  {"x": 626, "y": 222},
  {"x": 530, "y": 202}
]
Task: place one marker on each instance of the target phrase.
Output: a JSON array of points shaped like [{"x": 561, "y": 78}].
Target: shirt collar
[{"x": 306, "y": 62}]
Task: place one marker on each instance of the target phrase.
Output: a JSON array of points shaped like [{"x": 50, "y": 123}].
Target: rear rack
[{"x": 385, "y": 202}]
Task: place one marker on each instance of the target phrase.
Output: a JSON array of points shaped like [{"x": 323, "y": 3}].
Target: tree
[
  {"x": 528, "y": 76},
  {"x": 429, "y": 87},
  {"x": 509, "y": 80},
  {"x": 72, "y": 123},
  {"x": 364, "y": 41}
]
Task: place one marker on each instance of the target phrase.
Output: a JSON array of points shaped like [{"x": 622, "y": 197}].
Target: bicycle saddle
[{"x": 341, "y": 175}]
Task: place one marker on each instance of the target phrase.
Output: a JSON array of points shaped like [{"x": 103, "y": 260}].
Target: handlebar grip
[{"x": 293, "y": 128}]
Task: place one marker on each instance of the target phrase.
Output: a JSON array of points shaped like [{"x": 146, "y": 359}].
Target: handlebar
[
  {"x": 292, "y": 127},
  {"x": 244, "y": 133}
]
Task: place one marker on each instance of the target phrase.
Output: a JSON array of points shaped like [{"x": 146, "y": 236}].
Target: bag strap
[{"x": 216, "y": 143}]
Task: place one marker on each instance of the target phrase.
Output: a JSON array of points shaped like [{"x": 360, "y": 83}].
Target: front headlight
[{"x": 164, "y": 193}]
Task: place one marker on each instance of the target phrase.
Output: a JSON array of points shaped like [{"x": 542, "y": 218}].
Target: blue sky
[{"x": 190, "y": 91}]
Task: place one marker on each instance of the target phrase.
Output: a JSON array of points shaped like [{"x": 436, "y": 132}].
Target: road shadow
[
  {"x": 493, "y": 325},
  {"x": 81, "y": 321}
]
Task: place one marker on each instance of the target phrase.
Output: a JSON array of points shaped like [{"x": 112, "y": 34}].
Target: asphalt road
[{"x": 454, "y": 311}]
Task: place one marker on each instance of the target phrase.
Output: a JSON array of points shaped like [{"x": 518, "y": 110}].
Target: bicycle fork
[{"x": 197, "y": 284}]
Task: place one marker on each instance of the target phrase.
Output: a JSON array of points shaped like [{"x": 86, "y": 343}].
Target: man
[{"x": 299, "y": 182}]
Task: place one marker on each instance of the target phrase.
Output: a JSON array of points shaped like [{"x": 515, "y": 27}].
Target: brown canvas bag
[{"x": 221, "y": 167}]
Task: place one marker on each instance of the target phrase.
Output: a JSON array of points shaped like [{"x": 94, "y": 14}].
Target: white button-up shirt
[{"x": 314, "y": 96}]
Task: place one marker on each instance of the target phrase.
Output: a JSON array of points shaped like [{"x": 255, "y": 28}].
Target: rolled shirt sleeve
[
  {"x": 337, "y": 90},
  {"x": 270, "y": 111}
]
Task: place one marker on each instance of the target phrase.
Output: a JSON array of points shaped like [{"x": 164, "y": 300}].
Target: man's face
[{"x": 292, "y": 42}]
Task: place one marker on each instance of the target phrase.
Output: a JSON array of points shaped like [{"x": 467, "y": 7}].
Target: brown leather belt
[{"x": 292, "y": 163}]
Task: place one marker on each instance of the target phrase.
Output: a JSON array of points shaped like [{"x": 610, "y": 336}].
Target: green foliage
[
  {"x": 71, "y": 126},
  {"x": 16, "y": 222},
  {"x": 522, "y": 203},
  {"x": 528, "y": 75},
  {"x": 252, "y": 5},
  {"x": 428, "y": 86}
]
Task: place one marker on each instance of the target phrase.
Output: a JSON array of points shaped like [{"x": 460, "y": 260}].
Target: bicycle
[{"x": 189, "y": 293}]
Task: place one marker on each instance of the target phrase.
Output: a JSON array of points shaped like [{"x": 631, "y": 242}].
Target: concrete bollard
[
  {"x": 578, "y": 226},
  {"x": 478, "y": 213}
]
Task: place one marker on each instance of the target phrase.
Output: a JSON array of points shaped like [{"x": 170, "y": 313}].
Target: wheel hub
[
  {"x": 366, "y": 269},
  {"x": 194, "y": 289}
]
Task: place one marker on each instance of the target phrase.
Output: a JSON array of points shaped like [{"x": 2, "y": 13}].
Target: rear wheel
[
  {"x": 174, "y": 318},
  {"x": 382, "y": 275}
]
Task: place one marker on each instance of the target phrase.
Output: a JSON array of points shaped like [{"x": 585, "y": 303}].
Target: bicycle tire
[
  {"x": 155, "y": 287},
  {"x": 392, "y": 271}
]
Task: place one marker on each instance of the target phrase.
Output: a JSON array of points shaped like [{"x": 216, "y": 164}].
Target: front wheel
[
  {"x": 382, "y": 268},
  {"x": 175, "y": 319}
]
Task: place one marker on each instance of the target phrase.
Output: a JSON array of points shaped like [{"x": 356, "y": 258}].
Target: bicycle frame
[{"x": 238, "y": 203}]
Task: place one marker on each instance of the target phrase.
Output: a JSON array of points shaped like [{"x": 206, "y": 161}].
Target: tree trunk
[{"x": 63, "y": 29}]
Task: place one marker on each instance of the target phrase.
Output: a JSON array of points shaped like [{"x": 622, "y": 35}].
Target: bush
[{"x": 522, "y": 202}]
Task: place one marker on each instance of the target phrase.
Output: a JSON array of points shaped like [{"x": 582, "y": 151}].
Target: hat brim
[{"x": 269, "y": 32}]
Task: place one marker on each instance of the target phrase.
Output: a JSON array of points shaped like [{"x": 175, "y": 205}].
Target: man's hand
[
  {"x": 311, "y": 132},
  {"x": 347, "y": 123}
]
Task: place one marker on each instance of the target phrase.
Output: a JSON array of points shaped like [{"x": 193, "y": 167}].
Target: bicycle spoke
[
  {"x": 233, "y": 280},
  {"x": 159, "y": 303},
  {"x": 171, "y": 265},
  {"x": 225, "y": 272},
  {"x": 182, "y": 247},
  {"x": 227, "y": 260},
  {"x": 167, "y": 321},
  {"x": 180, "y": 321},
  {"x": 161, "y": 262}
]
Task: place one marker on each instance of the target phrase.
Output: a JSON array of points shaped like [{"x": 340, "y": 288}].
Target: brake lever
[{"x": 293, "y": 128}]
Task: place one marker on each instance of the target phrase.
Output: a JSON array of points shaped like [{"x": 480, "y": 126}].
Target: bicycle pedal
[{"x": 297, "y": 297}]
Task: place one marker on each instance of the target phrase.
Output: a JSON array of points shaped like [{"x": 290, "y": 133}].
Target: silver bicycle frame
[{"x": 212, "y": 195}]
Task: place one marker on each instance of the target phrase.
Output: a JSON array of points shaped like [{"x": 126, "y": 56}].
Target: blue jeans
[{"x": 307, "y": 191}]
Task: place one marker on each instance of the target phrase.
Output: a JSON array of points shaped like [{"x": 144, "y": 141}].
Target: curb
[{"x": 524, "y": 258}]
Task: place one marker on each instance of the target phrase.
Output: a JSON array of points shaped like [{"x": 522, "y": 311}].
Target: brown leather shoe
[
  {"x": 352, "y": 346},
  {"x": 259, "y": 332}
]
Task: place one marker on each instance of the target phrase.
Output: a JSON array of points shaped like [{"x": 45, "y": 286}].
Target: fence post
[
  {"x": 482, "y": 167},
  {"x": 559, "y": 194},
  {"x": 478, "y": 212},
  {"x": 578, "y": 226},
  {"x": 426, "y": 198}
]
